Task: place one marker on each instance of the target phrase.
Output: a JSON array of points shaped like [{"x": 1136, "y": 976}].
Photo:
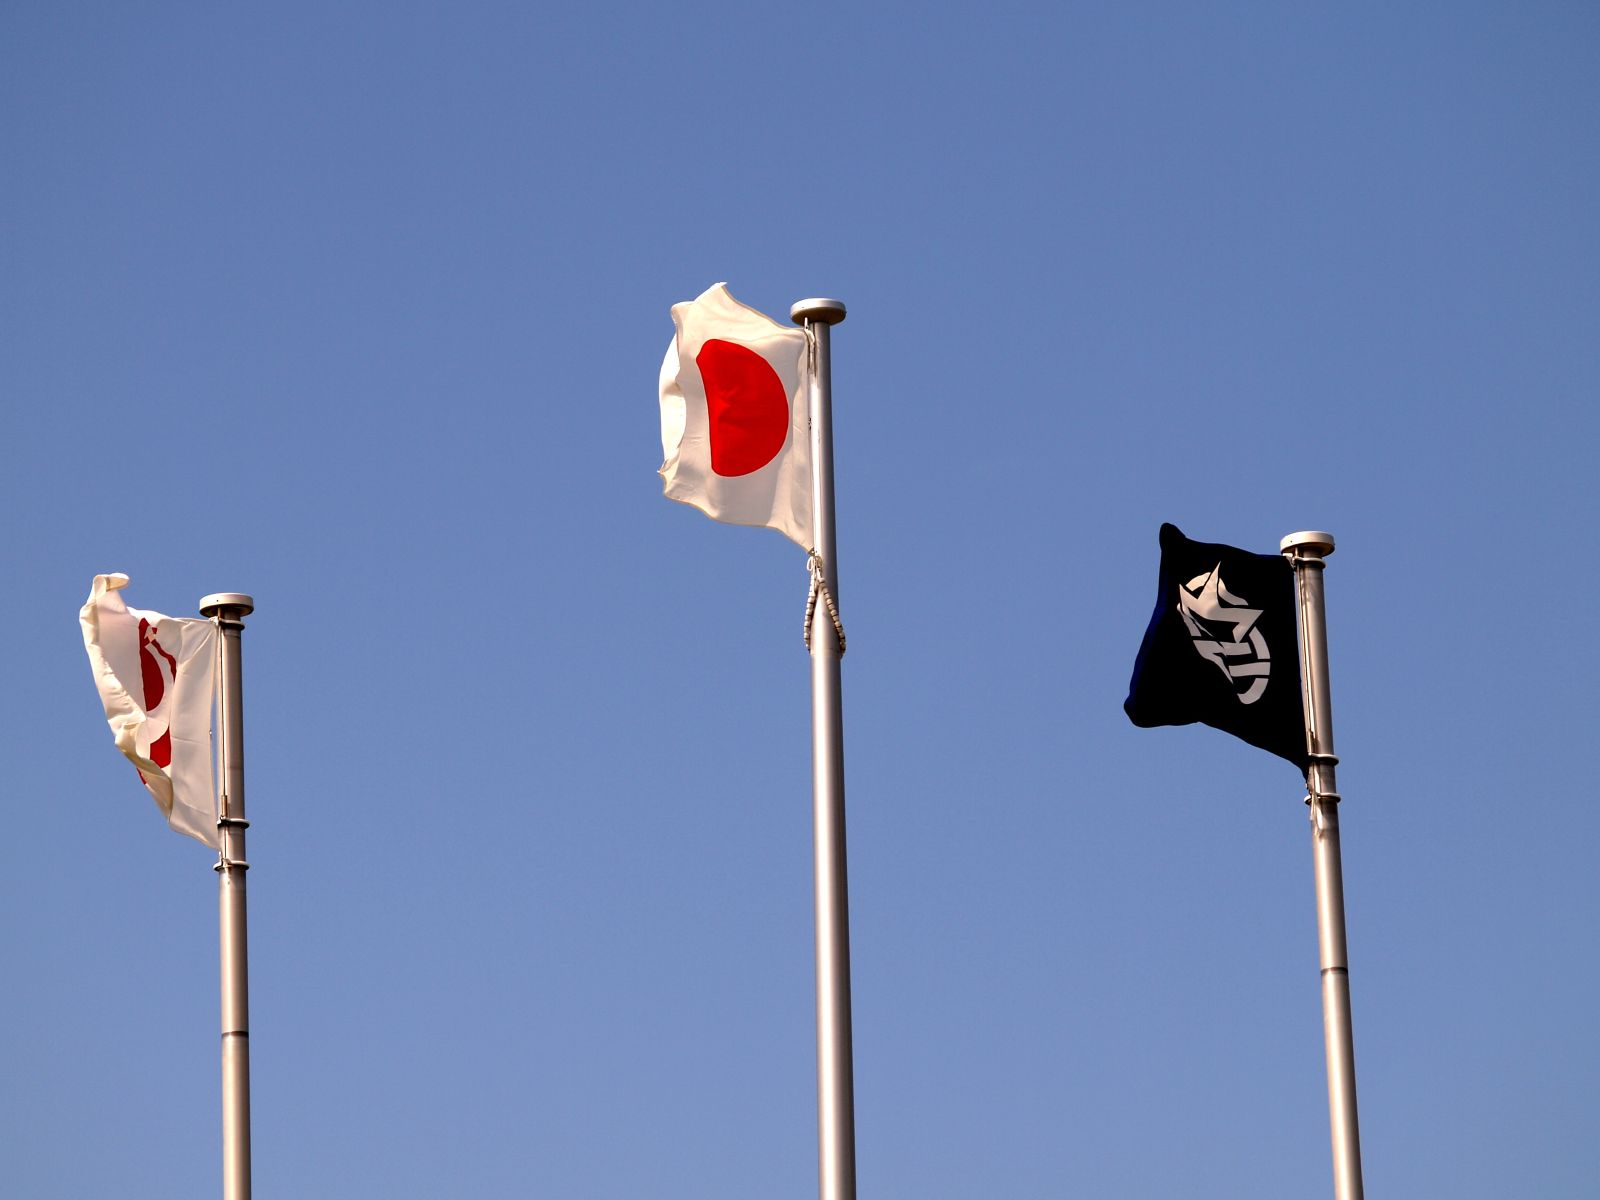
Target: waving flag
[
  {"x": 1222, "y": 647},
  {"x": 155, "y": 677},
  {"x": 735, "y": 427}
]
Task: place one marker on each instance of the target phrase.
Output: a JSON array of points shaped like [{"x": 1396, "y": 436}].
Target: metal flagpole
[
  {"x": 229, "y": 609},
  {"x": 836, "y": 1122},
  {"x": 1305, "y": 552}
]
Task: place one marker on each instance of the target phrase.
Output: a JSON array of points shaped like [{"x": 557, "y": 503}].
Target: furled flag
[
  {"x": 735, "y": 417},
  {"x": 1222, "y": 647},
  {"x": 155, "y": 675}
]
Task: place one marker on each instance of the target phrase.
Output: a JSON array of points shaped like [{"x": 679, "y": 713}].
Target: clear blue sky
[{"x": 359, "y": 308}]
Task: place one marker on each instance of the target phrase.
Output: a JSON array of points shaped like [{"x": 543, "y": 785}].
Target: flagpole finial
[
  {"x": 1314, "y": 540},
  {"x": 821, "y": 309},
  {"x": 213, "y": 604}
]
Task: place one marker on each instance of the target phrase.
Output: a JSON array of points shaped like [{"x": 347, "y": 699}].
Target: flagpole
[
  {"x": 1305, "y": 552},
  {"x": 229, "y": 609},
  {"x": 836, "y": 1122}
]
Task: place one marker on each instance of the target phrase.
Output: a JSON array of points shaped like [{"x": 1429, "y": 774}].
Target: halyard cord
[
  {"x": 219, "y": 783},
  {"x": 224, "y": 824},
  {"x": 819, "y": 586},
  {"x": 1315, "y": 797},
  {"x": 819, "y": 581}
]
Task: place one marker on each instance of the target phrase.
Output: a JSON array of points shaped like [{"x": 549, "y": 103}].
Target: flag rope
[
  {"x": 225, "y": 823},
  {"x": 1316, "y": 795},
  {"x": 220, "y": 784},
  {"x": 819, "y": 586}
]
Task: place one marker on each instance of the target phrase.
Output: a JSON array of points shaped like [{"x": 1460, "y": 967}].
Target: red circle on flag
[{"x": 747, "y": 407}]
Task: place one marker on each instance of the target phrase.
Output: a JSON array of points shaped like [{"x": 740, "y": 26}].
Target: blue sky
[{"x": 359, "y": 308}]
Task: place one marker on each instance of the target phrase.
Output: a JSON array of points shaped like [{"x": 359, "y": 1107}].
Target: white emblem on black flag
[
  {"x": 1222, "y": 647},
  {"x": 1207, "y": 607}
]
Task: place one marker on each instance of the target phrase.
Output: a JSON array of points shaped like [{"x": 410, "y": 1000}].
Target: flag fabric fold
[
  {"x": 1222, "y": 647},
  {"x": 156, "y": 678},
  {"x": 735, "y": 416}
]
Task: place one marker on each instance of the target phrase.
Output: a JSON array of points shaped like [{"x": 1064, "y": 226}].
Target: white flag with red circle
[
  {"x": 156, "y": 676},
  {"x": 735, "y": 416}
]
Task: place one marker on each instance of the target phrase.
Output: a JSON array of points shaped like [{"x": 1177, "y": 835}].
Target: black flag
[{"x": 1222, "y": 647}]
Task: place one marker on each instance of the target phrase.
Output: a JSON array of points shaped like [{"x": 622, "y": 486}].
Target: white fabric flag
[
  {"x": 735, "y": 416},
  {"x": 156, "y": 676}
]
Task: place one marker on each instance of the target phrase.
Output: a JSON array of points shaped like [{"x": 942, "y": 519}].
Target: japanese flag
[
  {"x": 735, "y": 416},
  {"x": 155, "y": 676}
]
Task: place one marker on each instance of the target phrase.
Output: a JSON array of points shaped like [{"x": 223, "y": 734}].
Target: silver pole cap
[
  {"x": 1315, "y": 540},
  {"x": 217, "y": 601},
  {"x": 819, "y": 309}
]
